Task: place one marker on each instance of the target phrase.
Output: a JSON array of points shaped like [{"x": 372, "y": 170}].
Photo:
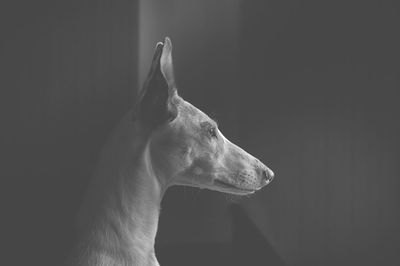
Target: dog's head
[{"x": 186, "y": 146}]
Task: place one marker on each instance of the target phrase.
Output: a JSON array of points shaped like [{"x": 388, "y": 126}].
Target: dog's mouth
[{"x": 231, "y": 188}]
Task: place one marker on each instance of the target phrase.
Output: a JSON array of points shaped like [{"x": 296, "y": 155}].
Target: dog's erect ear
[
  {"x": 167, "y": 67},
  {"x": 155, "y": 105}
]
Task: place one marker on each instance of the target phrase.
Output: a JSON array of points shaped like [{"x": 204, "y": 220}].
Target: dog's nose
[{"x": 268, "y": 175}]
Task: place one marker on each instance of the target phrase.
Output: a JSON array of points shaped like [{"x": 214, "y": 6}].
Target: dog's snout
[{"x": 268, "y": 175}]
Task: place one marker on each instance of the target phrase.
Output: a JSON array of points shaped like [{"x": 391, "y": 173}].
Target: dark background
[{"x": 309, "y": 87}]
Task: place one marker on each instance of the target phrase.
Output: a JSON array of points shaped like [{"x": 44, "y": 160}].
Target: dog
[{"x": 163, "y": 141}]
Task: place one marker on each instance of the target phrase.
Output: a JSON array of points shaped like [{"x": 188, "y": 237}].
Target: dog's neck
[{"x": 121, "y": 215}]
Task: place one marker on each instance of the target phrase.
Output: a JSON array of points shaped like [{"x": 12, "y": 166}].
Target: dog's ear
[
  {"x": 155, "y": 105},
  {"x": 166, "y": 64}
]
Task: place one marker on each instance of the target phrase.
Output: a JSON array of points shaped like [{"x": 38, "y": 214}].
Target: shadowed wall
[
  {"x": 321, "y": 107},
  {"x": 69, "y": 73}
]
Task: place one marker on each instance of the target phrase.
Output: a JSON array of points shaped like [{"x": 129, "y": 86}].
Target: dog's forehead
[{"x": 191, "y": 112}]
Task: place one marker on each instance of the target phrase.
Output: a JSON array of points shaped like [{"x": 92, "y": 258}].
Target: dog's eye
[
  {"x": 213, "y": 132},
  {"x": 209, "y": 129}
]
